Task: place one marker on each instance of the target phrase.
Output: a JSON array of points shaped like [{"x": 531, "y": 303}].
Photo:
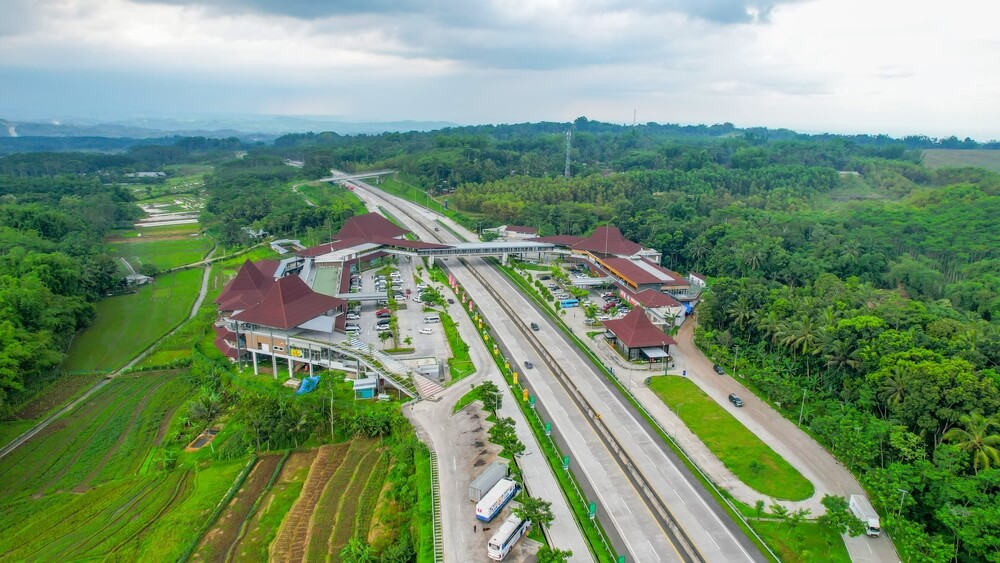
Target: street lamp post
[
  {"x": 677, "y": 413},
  {"x": 901, "y": 497}
]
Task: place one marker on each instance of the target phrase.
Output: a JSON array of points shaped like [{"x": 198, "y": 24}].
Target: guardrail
[{"x": 436, "y": 510}]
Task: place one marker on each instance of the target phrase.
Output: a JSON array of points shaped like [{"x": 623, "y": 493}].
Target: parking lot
[{"x": 426, "y": 339}]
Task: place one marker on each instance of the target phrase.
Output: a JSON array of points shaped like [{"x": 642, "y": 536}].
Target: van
[
  {"x": 432, "y": 319},
  {"x": 352, "y": 328}
]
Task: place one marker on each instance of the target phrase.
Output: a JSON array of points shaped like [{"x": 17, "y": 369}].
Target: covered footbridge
[{"x": 503, "y": 249}]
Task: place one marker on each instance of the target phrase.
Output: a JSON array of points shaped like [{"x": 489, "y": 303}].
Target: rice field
[{"x": 126, "y": 325}]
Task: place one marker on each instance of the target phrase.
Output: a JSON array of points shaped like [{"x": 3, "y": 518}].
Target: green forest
[{"x": 855, "y": 289}]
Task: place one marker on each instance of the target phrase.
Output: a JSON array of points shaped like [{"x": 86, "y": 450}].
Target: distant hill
[
  {"x": 249, "y": 128},
  {"x": 979, "y": 158}
]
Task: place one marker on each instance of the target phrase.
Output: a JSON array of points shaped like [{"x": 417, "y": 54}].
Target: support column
[
  {"x": 291, "y": 367},
  {"x": 310, "y": 369},
  {"x": 503, "y": 258},
  {"x": 274, "y": 365},
  {"x": 430, "y": 261},
  {"x": 254, "y": 354}
]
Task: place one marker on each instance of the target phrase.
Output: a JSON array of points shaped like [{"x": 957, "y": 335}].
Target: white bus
[
  {"x": 493, "y": 502},
  {"x": 505, "y": 538}
]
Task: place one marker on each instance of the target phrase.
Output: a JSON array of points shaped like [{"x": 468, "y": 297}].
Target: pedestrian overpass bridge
[{"x": 503, "y": 249}]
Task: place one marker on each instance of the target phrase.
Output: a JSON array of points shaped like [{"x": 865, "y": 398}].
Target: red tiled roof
[
  {"x": 608, "y": 240},
  {"x": 225, "y": 348},
  {"x": 288, "y": 304},
  {"x": 636, "y": 331},
  {"x": 634, "y": 271},
  {"x": 652, "y": 299},
  {"x": 368, "y": 226},
  {"x": 521, "y": 229},
  {"x": 561, "y": 240},
  {"x": 247, "y": 288},
  {"x": 268, "y": 267},
  {"x": 223, "y": 331}
]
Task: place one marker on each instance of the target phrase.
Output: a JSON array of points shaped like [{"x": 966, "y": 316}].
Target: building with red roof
[
  {"x": 639, "y": 274},
  {"x": 635, "y": 337}
]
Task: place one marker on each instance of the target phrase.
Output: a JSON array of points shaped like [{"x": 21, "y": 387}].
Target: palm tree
[
  {"x": 768, "y": 323},
  {"x": 742, "y": 311},
  {"x": 894, "y": 387},
  {"x": 839, "y": 355},
  {"x": 802, "y": 336},
  {"x": 977, "y": 439}
]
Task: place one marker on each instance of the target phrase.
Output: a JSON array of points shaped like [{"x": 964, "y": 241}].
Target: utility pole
[
  {"x": 802, "y": 411},
  {"x": 569, "y": 137}
]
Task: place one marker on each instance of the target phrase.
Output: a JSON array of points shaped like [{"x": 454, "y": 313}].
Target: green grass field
[
  {"x": 806, "y": 543},
  {"x": 162, "y": 253},
  {"x": 750, "y": 459},
  {"x": 979, "y": 158},
  {"x": 128, "y": 324},
  {"x": 76, "y": 491}
]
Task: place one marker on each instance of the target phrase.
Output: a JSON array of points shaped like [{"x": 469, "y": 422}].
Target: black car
[
  {"x": 718, "y": 369},
  {"x": 528, "y": 365},
  {"x": 534, "y": 326},
  {"x": 735, "y": 400},
  {"x": 451, "y": 301}
]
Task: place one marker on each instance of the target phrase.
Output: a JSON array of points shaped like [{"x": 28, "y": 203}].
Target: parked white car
[{"x": 427, "y": 330}]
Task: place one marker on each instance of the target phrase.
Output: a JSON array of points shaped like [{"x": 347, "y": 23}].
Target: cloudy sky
[{"x": 894, "y": 66}]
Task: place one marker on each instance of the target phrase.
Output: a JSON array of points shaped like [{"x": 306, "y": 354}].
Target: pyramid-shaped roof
[
  {"x": 608, "y": 240},
  {"x": 288, "y": 304},
  {"x": 369, "y": 227},
  {"x": 636, "y": 331},
  {"x": 247, "y": 288}
]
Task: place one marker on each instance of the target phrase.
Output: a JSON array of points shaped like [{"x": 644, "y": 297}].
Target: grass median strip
[{"x": 750, "y": 459}]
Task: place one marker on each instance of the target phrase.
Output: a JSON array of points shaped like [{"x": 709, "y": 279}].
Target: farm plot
[
  {"x": 293, "y": 537},
  {"x": 128, "y": 324},
  {"x": 332, "y": 521},
  {"x": 162, "y": 253},
  {"x": 94, "y": 451},
  {"x": 263, "y": 525},
  {"x": 219, "y": 541}
]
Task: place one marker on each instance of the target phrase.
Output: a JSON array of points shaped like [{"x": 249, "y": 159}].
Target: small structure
[
  {"x": 635, "y": 337},
  {"x": 137, "y": 279},
  {"x": 486, "y": 480},
  {"x": 365, "y": 387},
  {"x": 518, "y": 232}
]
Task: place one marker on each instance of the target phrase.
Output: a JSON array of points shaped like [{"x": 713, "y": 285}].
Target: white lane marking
[
  {"x": 625, "y": 504},
  {"x": 658, "y": 558}
]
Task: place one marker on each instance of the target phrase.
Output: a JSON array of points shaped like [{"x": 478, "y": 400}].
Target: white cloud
[{"x": 845, "y": 65}]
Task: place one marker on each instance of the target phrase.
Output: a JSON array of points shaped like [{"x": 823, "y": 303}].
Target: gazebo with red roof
[{"x": 636, "y": 337}]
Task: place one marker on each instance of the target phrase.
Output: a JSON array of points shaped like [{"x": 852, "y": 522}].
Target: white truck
[{"x": 863, "y": 511}]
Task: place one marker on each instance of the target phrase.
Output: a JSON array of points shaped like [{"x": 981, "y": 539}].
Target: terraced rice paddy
[{"x": 81, "y": 488}]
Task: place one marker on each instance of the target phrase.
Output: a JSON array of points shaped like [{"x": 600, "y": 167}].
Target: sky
[{"x": 846, "y": 66}]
